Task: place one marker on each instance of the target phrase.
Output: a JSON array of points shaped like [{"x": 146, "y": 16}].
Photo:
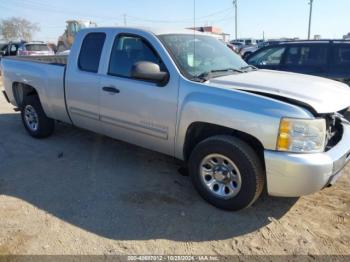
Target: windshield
[{"x": 196, "y": 55}]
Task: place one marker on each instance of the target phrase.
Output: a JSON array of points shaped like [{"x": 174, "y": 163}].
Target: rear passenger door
[
  {"x": 83, "y": 82},
  {"x": 340, "y": 62},
  {"x": 309, "y": 59}
]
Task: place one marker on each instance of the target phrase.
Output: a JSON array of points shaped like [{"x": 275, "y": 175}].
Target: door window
[
  {"x": 313, "y": 56},
  {"x": 90, "y": 52},
  {"x": 342, "y": 56},
  {"x": 127, "y": 51},
  {"x": 268, "y": 57}
]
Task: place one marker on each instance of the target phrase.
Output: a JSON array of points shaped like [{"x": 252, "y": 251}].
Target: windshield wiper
[
  {"x": 227, "y": 70},
  {"x": 244, "y": 68},
  {"x": 208, "y": 75}
]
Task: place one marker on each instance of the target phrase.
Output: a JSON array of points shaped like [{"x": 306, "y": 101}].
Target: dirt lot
[{"x": 81, "y": 193}]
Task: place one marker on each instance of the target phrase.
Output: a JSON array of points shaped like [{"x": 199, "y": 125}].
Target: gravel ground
[{"x": 81, "y": 193}]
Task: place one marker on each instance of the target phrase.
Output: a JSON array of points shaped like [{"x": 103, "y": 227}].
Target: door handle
[{"x": 111, "y": 89}]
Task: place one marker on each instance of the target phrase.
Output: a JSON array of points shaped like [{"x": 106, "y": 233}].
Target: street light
[
  {"x": 310, "y": 17},
  {"x": 235, "y": 4}
]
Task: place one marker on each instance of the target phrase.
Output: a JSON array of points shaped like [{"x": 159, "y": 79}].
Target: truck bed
[
  {"x": 45, "y": 74},
  {"x": 52, "y": 60}
]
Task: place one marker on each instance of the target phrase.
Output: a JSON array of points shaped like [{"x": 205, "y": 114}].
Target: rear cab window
[{"x": 90, "y": 52}]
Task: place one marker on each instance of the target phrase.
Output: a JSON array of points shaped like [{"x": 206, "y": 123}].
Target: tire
[
  {"x": 249, "y": 179},
  {"x": 32, "y": 112}
]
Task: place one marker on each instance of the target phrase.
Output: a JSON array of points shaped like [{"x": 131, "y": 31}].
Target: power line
[
  {"x": 182, "y": 21},
  {"x": 45, "y": 7}
]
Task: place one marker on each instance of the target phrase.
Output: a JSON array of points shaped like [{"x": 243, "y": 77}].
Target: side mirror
[{"x": 149, "y": 71}]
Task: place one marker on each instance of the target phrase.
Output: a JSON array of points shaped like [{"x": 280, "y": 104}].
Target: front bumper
[{"x": 294, "y": 175}]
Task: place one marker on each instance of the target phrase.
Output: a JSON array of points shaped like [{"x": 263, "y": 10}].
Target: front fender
[{"x": 252, "y": 114}]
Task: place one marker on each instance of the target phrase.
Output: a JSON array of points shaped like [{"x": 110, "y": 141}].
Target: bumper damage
[{"x": 294, "y": 175}]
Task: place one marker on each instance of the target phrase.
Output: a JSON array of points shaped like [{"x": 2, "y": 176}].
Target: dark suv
[
  {"x": 325, "y": 58},
  {"x": 11, "y": 48}
]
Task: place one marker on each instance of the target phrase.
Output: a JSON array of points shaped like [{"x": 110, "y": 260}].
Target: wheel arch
[
  {"x": 199, "y": 131},
  {"x": 21, "y": 90}
]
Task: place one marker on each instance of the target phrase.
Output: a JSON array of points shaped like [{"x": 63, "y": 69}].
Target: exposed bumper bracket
[{"x": 5, "y": 95}]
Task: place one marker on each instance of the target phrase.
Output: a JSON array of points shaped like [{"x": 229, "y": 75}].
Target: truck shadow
[{"x": 116, "y": 190}]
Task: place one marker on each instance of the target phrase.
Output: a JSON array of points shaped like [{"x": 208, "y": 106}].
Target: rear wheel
[
  {"x": 34, "y": 118},
  {"x": 227, "y": 172}
]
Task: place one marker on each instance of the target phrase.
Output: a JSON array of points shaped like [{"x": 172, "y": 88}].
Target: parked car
[
  {"x": 235, "y": 126},
  {"x": 66, "y": 52},
  {"x": 323, "y": 58},
  {"x": 237, "y": 46},
  {"x": 34, "y": 49},
  {"x": 11, "y": 48},
  {"x": 247, "y": 41},
  {"x": 232, "y": 47},
  {"x": 248, "y": 50}
]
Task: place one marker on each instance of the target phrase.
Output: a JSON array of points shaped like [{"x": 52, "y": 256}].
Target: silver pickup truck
[{"x": 185, "y": 94}]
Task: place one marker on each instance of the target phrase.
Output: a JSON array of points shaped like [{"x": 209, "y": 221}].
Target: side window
[
  {"x": 342, "y": 56},
  {"x": 90, "y": 52},
  {"x": 268, "y": 57},
  {"x": 127, "y": 51},
  {"x": 307, "y": 55}
]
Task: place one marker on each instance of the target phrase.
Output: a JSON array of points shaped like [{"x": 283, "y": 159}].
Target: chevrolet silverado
[{"x": 185, "y": 94}]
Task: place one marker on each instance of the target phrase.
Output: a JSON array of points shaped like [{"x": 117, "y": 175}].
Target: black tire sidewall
[
  {"x": 45, "y": 125},
  {"x": 243, "y": 157}
]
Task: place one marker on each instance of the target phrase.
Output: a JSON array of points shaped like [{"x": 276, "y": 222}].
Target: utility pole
[
  {"x": 235, "y": 4},
  {"x": 310, "y": 18},
  {"x": 125, "y": 23}
]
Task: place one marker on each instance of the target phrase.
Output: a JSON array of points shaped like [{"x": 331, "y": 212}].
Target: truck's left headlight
[{"x": 302, "y": 135}]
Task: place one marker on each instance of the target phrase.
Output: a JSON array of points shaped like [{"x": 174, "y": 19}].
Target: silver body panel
[{"x": 158, "y": 118}]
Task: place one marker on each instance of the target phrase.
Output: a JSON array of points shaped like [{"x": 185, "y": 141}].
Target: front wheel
[
  {"x": 227, "y": 172},
  {"x": 34, "y": 118}
]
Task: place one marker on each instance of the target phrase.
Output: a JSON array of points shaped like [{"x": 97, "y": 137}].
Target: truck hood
[{"x": 323, "y": 95}]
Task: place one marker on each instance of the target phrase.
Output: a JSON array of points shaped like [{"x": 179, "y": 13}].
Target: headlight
[{"x": 302, "y": 135}]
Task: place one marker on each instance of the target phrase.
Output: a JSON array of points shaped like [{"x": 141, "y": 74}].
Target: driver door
[{"x": 137, "y": 111}]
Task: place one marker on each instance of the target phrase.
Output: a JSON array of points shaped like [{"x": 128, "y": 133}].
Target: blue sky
[{"x": 277, "y": 18}]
